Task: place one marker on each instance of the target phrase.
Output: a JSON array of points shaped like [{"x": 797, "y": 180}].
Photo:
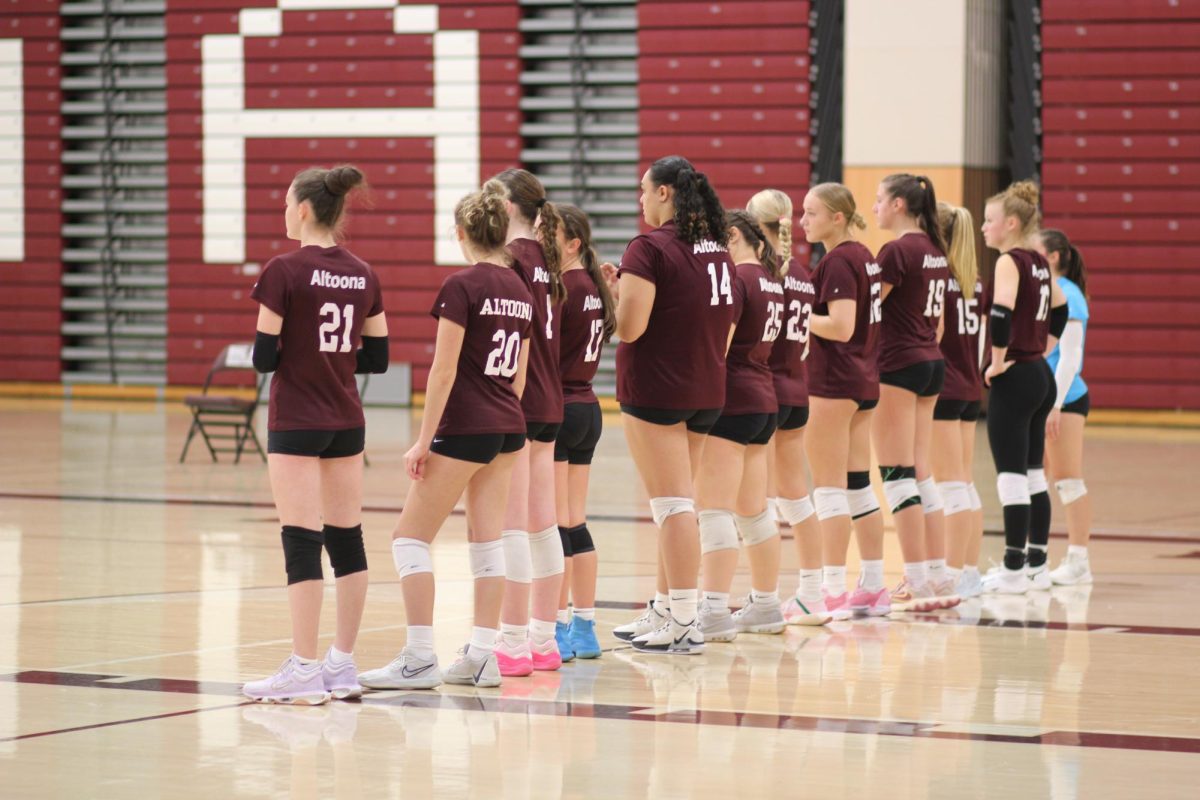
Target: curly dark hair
[{"x": 698, "y": 211}]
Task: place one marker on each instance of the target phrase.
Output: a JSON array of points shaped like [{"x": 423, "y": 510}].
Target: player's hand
[
  {"x": 414, "y": 460},
  {"x": 995, "y": 369},
  {"x": 609, "y": 271},
  {"x": 1052, "y": 424}
]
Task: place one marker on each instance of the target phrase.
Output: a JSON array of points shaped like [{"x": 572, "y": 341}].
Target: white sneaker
[
  {"x": 480, "y": 672},
  {"x": 969, "y": 584},
  {"x": 1039, "y": 578},
  {"x": 294, "y": 683},
  {"x": 716, "y": 623},
  {"x": 797, "y": 612},
  {"x": 671, "y": 638},
  {"x": 759, "y": 617},
  {"x": 650, "y": 619},
  {"x": 406, "y": 671},
  {"x": 1071, "y": 572},
  {"x": 1007, "y": 581}
]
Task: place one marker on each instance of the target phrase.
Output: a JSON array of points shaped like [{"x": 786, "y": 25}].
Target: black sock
[
  {"x": 1039, "y": 518},
  {"x": 1016, "y": 526}
]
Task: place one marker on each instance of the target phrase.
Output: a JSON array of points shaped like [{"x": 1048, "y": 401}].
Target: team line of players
[{"x": 728, "y": 349}]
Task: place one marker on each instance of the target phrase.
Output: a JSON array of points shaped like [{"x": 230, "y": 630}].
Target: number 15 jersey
[
  {"x": 323, "y": 294},
  {"x": 495, "y": 307}
]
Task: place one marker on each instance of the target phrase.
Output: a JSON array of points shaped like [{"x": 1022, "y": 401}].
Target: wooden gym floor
[{"x": 136, "y": 594}]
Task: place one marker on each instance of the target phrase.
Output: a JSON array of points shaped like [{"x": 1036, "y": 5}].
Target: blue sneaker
[
  {"x": 582, "y": 635},
  {"x": 563, "y": 638}
]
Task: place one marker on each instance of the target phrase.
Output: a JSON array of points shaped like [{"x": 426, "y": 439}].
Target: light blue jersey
[{"x": 1077, "y": 309}]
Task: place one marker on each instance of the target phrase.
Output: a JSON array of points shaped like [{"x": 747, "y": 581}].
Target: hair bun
[
  {"x": 340, "y": 180},
  {"x": 1027, "y": 191}
]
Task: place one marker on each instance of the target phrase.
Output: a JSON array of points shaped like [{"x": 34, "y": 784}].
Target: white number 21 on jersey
[{"x": 328, "y": 331}]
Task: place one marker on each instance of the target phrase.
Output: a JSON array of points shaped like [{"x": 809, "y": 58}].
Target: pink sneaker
[
  {"x": 837, "y": 605},
  {"x": 916, "y": 599},
  {"x": 514, "y": 662},
  {"x": 797, "y": 612},
  {"x": 876, "y": 603},
  {"x": 546, "y": 657},
  {"x": 945, "y": 594}
]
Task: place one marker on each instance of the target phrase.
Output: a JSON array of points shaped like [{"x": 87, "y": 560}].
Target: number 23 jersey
[
  {"x": 495, "y": 308},
  {"x": 324, "y": 295}
]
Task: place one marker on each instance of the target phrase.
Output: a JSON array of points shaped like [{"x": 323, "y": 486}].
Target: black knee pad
[
  {"x": 565, "y": 535},
  {"x": 346, "y": 553},
  {"x": 581, "y": 540},
  {"x": 302, "y": 554},
  {"x": 857, "y": 480}
]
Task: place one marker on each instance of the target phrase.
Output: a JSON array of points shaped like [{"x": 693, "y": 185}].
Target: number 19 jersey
[
  {"x": 495, "y": 308},
  {"x": 323, "y": 294}
]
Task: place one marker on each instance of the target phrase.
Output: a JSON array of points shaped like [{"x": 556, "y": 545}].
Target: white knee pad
[
  {"x": 773, "y": 507},
  {"x": 830, "y": 501},
  {"x": 901, "y": 493},
  {"x": 931, "y": 498},
  {"x": 1070, "y": 490},
  {"x": 862, "y": 502},
  {"x": 1037, "y": 481},
  {"x": 956, "y": 497},
  {"x": 411, "y": 557},
  {"x": 546, "y": 553},
  {"x": 1013, "y": 488},
  {"x": 663, "y": 507},
  {"x": 758, "y": 528},
  {"x": 976, "y": 503},
  {"x": 796, "y": 511},
  {"x": 718, "y": 531},
  {"x": 518, "y": 563},
  {"x": 486, "y": 558}
]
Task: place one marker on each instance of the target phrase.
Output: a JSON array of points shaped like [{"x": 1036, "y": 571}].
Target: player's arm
[
  {"x": 373, "y": 355},
  {"x": 633, "y": 309},
  {"x": 1004, "y": 300},
  {"x": 1059, "y": 314},
  {"x": 522, "y": 369},
  {"x": 941, "y": 330},
  {"x": 266, "y": 340},
  {"x": 441, "y": 376},
  {"x": 838, "y": 324}
]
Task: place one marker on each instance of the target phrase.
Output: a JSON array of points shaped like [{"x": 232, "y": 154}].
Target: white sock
[
  {"x": 935, "y": 568},
  {"x": 953, "y": 573},
  {"x": 717, "y": 599},
  {"x": 662, "y": 602},
  {"x": 834, "y": 580},
  {"x": 514, "y": 635},
  {"x": 915, "y": 573},
  {"x": 541, "y": 631},
  {"x": 306, "y": 664},
  {"x": 872, "y": 575},
  {"x": 588, "y": 614},
  {"x": 563, "y": 616},
  {"x": 766, "y": 598},
  {"x": 683, "y": 606},
  {"x": 420, "y": 641},
  {"x": 1077, "y": 552},
  {"x": 483, "y": 642},
  {"x": 809, "y": 588},
  {"x": 337, "y": 658}
]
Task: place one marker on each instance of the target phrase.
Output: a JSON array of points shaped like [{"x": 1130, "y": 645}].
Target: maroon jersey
[
  {"x": 679, "y": 362},
  {"x": 543, "y": 398},
  {"x": 323, "y": 294},
  {"x": 1031, "y": 316},
  {"x": 966, "y": 325},
  {"x": 917, "y": 271},
  {"x": 847, "y": 369},
  {"x": 581, "y": 336},
  {"x": 787, "y": 356},
  {"x": 758, "y": 309},
  {"x": 494, "y": 305}
]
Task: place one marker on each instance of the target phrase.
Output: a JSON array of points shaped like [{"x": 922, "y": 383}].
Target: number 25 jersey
[
  {"x": 495, "y": 308},
  {"x": 324, "y": 295}
]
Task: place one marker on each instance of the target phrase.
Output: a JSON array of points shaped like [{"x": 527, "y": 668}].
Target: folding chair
[{"x": 226, "y": 421}]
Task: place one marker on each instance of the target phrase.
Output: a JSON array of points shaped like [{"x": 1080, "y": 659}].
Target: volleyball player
[
  {"x": 843, "y": 387},
  {"x": 1064, "y": 426},
  {"x": 588, "y": 321},
  {"x": 911, "y": 374},
  {"x": 1028, "y": 308},
  {"x": 958, "y": 406},
  {"x": 787, "y": 466},
  {"x": 471, "y": 432},
  {"x": 674, "y": 298},
  {"x": 532, "y": 545},
  {"x": 731, "y": 481},
  {"x": 316, "y": 305}
]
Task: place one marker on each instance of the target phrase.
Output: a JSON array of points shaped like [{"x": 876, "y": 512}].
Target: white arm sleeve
[{"x": 1070, "y": 356}]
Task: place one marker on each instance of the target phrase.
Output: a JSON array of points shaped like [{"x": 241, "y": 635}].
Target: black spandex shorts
[
  {"x": 867, "y": 405},
  {"x": 924, "y": 379},
  {"x": 792, "y": 418},
  {"x": 746, "y": 428},
  {"x": 579, "y": 434},
  {"x": 1081, "y": 406},
  {"x": 318, "y": 444},
  {"x": 956, "y": 410},
  {"x": 698, "y": 420},
  {"x": 478, "y": 448},
  {"x": 542, "y": 431}
]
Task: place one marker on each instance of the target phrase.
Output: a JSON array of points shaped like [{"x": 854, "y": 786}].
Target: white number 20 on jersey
[
  {"x": 503, "y": 359},
  {"x": 328, "y": 331}
]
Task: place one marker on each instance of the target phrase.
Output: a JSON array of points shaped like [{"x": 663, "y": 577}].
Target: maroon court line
[
  {"x": 116, "y": 722},
  {"x": 227, "y": 503}
]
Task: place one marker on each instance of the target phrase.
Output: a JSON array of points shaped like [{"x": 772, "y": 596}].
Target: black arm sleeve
[
  {"x": 1001, "y": 325},
  {"x": 373, "y": 357},
  {"x": 266, "y": 352},
  {"x": 1058, "y": 320}
]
